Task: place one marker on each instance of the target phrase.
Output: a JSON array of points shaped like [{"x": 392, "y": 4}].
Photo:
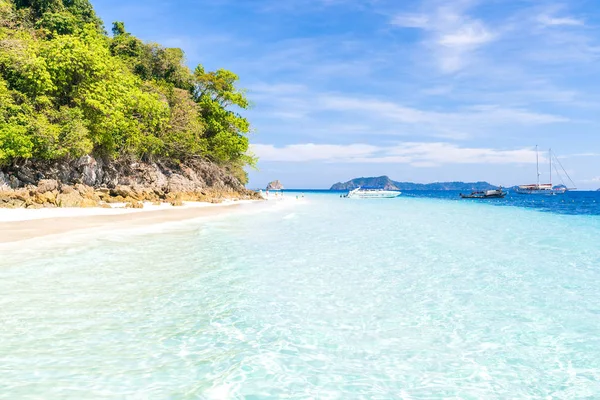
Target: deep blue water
[{"x": 570, "y": 203}]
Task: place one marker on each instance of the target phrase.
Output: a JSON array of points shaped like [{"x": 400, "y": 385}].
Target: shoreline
[{"x": 23, "y": 225}]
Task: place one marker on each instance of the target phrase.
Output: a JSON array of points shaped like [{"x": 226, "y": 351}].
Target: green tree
[
  {"x": 118, "y": 28},
  {"x": 67, "y": 89},
  {"x": 226, "y": 130}
]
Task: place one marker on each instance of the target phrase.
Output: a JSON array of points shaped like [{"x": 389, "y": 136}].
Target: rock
[
  {"x": 116, "y": 199},
  {"x": 178, "y": 183},
  {"x": 66, "y": 189},
  {"x": 135, "y": 204},
  {"x": 47, "y": 185},
  {"x": 122, "y": 190},
  {"x": 87, "y": 192},
  {"x": 72, "y": 199},
  {"x": 89, "y": 170},
  {"x": 176, "y": 203},
  {"x": 88, "y": 203},
  {"x": 4, "y": 181},
  {"x": 67, "y": 183},
  {"x": 14, "y": 182},
  {"x": 21, "y": 194},
  {"x": 14, "y": 203},
  {"x": 275, "y": 185},
  {"x": 46, "y": 197},
  {"x": 27, "y": 175}
]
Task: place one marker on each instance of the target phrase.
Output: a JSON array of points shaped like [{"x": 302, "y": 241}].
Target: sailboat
[{"x": 546, "y": 188}]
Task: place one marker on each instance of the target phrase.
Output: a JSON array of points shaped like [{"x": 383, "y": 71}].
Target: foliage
[{"x": 67, "y": 89}]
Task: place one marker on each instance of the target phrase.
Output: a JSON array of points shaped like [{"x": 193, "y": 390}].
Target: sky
[{"x": 419, "y": 90}]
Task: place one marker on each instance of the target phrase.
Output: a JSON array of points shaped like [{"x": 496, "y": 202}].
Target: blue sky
[{"x": 422, "y": 90}]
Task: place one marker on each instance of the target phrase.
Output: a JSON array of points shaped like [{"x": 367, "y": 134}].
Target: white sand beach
[{"x": 24, "y": 224}]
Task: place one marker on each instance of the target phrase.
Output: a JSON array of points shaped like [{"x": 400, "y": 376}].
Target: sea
[{"x": 425, "y": 296}]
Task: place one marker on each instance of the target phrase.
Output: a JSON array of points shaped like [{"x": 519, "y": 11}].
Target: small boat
[
  {"x": 485, "y": 194},
  {"x": 368, "y": 193},
  {"x": 547, "y": 189}
]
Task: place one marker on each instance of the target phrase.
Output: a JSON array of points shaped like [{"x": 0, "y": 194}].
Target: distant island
[
  {"x": 275, "y": 185},
  {"x": 384, "y": 182}
]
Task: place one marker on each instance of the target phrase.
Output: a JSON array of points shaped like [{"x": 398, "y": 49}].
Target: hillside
[
  {"x": 383, "y": 182},
  {"x": 71, "y": 94}
]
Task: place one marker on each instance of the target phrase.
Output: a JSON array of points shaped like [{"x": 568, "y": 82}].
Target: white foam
[{"x": 22, "y": 214}]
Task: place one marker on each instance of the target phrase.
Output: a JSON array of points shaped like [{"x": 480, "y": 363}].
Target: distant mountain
[{"x": 384, "y": 182}]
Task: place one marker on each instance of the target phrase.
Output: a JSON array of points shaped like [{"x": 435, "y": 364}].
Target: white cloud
[
  {"x": 469, "y": 35},
  {"x": 417, "y": 154},
  {"x": 313, "y": 152},
  {"x": 295, "y": 109},
  {"x": 479, "y": 114},
  {"x": 547, "y": 20},
  {"x": 452, "y": 35},
  {"x": 411, "y": 21},
  {"x": 593, "y": 180}
]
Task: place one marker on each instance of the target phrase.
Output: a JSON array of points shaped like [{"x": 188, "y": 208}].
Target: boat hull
[
  {"x": 495, "y": 196},
  {"x": 373, "y": 194},
  {"x": 540, "y": 192},
  {"x": 488, "y": 194}
]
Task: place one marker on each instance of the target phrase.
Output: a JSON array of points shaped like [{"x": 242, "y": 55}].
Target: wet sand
[{"x": 15, "y": 231}]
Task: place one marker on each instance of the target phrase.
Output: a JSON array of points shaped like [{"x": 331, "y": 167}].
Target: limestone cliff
[{"x": 88, "y": 181}]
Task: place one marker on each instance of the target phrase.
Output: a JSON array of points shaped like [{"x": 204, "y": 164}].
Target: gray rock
[
  {"x": 4, "y": 181},
  {"x": 47, "y": 185},
  {"x": 27, "y": 175},
  {"x": 89, "y": 170},
  {"x": 178, "y": 183},
  {"x": 14, "y": 182},
  {"x": 275, "y": 185},
  {"x": 123, "y": 178}
]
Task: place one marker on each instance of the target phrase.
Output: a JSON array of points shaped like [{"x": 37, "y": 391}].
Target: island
[
  {"x": 275, "y": 185},
  {"x": 384, "y": 182},
  {"x": 89, "y": 118}
]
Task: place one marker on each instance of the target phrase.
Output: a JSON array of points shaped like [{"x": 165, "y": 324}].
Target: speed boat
[
  {"x": 485, "y": 194},
  {"x": 368, "y": 193}
]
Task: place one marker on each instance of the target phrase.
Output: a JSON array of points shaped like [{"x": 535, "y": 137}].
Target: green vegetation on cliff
[{"x": 68, "y": 89}]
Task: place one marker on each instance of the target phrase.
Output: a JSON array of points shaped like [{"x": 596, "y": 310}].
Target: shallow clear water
[{"x": 410, "y": 298}]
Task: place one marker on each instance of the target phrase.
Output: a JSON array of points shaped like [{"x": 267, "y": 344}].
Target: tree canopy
[{"x": 68, "y": 89}]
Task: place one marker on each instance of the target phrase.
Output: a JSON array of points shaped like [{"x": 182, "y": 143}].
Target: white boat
[
  {"x": 545, "y": 188},
  {"x": 364, "y": 193}
]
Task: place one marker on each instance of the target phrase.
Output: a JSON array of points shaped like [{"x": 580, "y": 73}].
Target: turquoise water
[{"x": 411, "y": 298}]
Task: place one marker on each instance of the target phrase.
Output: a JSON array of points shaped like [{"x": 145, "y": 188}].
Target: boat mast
[
  {"x": 550, "y": 155},
  {"x": 537, "y": 165}
]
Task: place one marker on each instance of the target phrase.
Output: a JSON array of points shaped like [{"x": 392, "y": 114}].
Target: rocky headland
[{"x": 92, "y": 182}]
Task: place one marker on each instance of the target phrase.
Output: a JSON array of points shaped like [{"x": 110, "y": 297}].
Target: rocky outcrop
[
  {"x": 90, "y": 182},
  {"x": 275, "y": 185}
]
